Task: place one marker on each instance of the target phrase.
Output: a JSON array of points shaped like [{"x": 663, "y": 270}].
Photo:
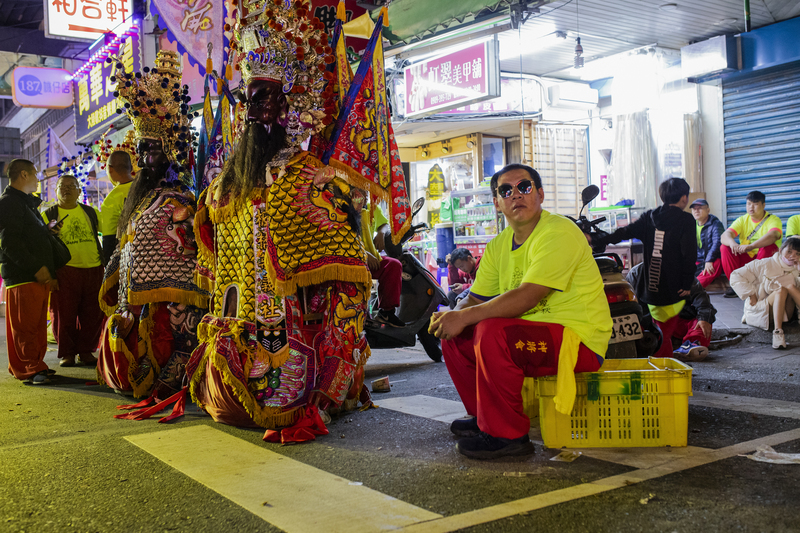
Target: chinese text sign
[
  {"x": 453, "y": 80},
  {"x": 95, "y": 104},
  {"x": 49, "y": 88},
  {"x": 86, "y": 19}
]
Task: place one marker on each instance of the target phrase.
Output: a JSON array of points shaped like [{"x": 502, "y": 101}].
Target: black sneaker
[
  {"x": 484, "y": 446},
  {"x": 40, "y": 378},
  {"x": 389, "y": 318},
  {"x": 465, "y": 427},
  {"x": 730, "y": 293}
]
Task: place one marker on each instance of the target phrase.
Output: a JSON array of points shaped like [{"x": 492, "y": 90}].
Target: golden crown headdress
[
  {"x": 281, "y": 40},
  {"x": 105, "y": 148},
  {"x": 157, "y": 105}
]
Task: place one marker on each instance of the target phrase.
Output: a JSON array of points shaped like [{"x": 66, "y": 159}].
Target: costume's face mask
[
  {"x": 265, "y": 101},
  {"x": 151, "y": 155}
]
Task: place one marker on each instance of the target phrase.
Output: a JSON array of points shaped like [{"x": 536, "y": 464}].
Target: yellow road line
[
  {"x": 286, "y": 493},
  {"x": 540, "y": 501}
]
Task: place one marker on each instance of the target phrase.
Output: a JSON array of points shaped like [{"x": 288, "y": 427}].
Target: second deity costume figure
[{"x": 278, "y": 246}]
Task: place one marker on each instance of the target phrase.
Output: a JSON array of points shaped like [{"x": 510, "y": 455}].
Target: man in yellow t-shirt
[
  {"x": 759, "y": 235},
  {"x": 119, "y": 170},
  {"x": 538, "y": 285},
  {"x": 74, "y": 308},
  {"x": 793, "y": 225}
]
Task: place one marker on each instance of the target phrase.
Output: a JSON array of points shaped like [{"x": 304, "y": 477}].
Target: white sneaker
[{"x": 778, "y": 340}]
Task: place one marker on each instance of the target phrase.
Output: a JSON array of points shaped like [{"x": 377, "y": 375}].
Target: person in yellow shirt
[
  {"x": 119, "y": 170},
  {"x": 793, "y": 225},
  {"x": 74, "y": 308},
  {"x": 538, "y": 297},
  {"x": 759, "y": 235}
]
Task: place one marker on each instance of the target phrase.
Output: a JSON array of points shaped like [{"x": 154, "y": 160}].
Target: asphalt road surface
[{"x": 67, "y": 465}]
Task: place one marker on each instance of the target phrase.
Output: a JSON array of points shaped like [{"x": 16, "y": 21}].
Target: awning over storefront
[{"x": 411, "y": 20}]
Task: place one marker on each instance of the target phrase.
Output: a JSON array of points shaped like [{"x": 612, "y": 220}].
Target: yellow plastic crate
[
  {"x": 530, "y": 402},
  {"x": 627, "y": 403}
]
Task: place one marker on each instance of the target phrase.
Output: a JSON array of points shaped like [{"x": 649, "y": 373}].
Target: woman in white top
[{"x": 770, "y": 284}]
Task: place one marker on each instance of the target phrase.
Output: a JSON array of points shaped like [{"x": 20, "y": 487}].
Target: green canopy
[{"x": 411, "y": 19}]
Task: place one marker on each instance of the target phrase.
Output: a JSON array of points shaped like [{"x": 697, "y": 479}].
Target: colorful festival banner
[
  {"x": 194, "y": 24},
  {"x": 325, "y": 11},
  {"x": 56, "y": 150},
  {"x": 362, "y": 146}
]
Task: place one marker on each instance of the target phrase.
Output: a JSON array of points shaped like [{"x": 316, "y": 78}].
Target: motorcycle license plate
[{"x": 626, "y": 328}]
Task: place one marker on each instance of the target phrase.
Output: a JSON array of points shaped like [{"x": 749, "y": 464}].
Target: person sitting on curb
[
  {"x": 691, "y": 327},
  {"x": 759, "y": 236},
  {"x": 770, "y": 284},
  {"x": 461, "y": 270},
  {"x": 537, "y": 308},
  {"x": 709, "y": 233}
]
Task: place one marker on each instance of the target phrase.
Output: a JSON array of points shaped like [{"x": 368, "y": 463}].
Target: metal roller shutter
[{"x": 761, "y": 116}]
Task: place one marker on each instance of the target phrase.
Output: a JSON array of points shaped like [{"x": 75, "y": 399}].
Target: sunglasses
[{"x": 524, "y": 187}]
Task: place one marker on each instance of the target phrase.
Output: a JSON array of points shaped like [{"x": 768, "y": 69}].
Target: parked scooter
[
  {"x": 634, "y": 333},
  {"x": 420, "y": 297}
]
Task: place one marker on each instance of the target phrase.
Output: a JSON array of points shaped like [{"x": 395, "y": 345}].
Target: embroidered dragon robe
[
  {"x": 149, "y": 295},
  {"x": 288, "y": 279}
]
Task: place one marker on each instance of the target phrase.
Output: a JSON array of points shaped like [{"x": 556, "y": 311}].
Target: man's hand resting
[
  {"x": 373, "y": 262},
  {"x": 43, "y": 275},
  {"x": 705, "y": 327},
  {"x": 447, "y": 324}
]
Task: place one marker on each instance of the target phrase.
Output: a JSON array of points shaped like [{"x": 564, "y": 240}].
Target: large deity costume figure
[
  {"x": 148, "y": 292},
  {"x": 278, "y": 246}
]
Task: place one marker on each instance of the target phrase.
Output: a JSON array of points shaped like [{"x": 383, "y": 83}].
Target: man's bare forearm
[
  {"x": 727, "y": 238},
  {"x": 769, "y": 239}
]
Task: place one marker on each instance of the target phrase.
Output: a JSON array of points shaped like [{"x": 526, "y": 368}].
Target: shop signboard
[
  {"x": 95, "y": 105},
  {"x": 86, "y": 20},
  {"x": 457, "y": 79},
  {"x": 48, "y": 88},
  {"x": 518, "y": 96}
]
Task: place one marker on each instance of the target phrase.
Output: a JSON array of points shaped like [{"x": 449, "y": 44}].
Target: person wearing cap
[
  {"x": 709, "y": 233},
  {"x": 759, "y": 234}
]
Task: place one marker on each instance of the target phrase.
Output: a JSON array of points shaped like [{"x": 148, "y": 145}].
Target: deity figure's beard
[
  {"x": 146, "y": 180},
  {"x": 247, "y": 167}
]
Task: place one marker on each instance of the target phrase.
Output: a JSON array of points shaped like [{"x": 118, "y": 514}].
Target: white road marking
[
  {"x": 746, "y": 404},
  {"x": 424, "y": 406},
  {"x": 286, "y": 493}
]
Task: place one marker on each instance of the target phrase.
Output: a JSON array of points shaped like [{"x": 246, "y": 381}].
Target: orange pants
[{"x": 26, "y": 329}]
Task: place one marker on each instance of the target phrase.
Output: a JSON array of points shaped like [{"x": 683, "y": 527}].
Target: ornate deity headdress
[
  {"x": 281, "y": 40},
  {"x": 105, "y": 149},
  {"x": 158, "y": 106}
]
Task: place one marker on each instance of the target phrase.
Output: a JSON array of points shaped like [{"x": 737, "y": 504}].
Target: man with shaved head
[
  {"x": 77, "y": 317},
  {"x": 28, "y": 269},
  {"x": 119, "y": 168}
]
